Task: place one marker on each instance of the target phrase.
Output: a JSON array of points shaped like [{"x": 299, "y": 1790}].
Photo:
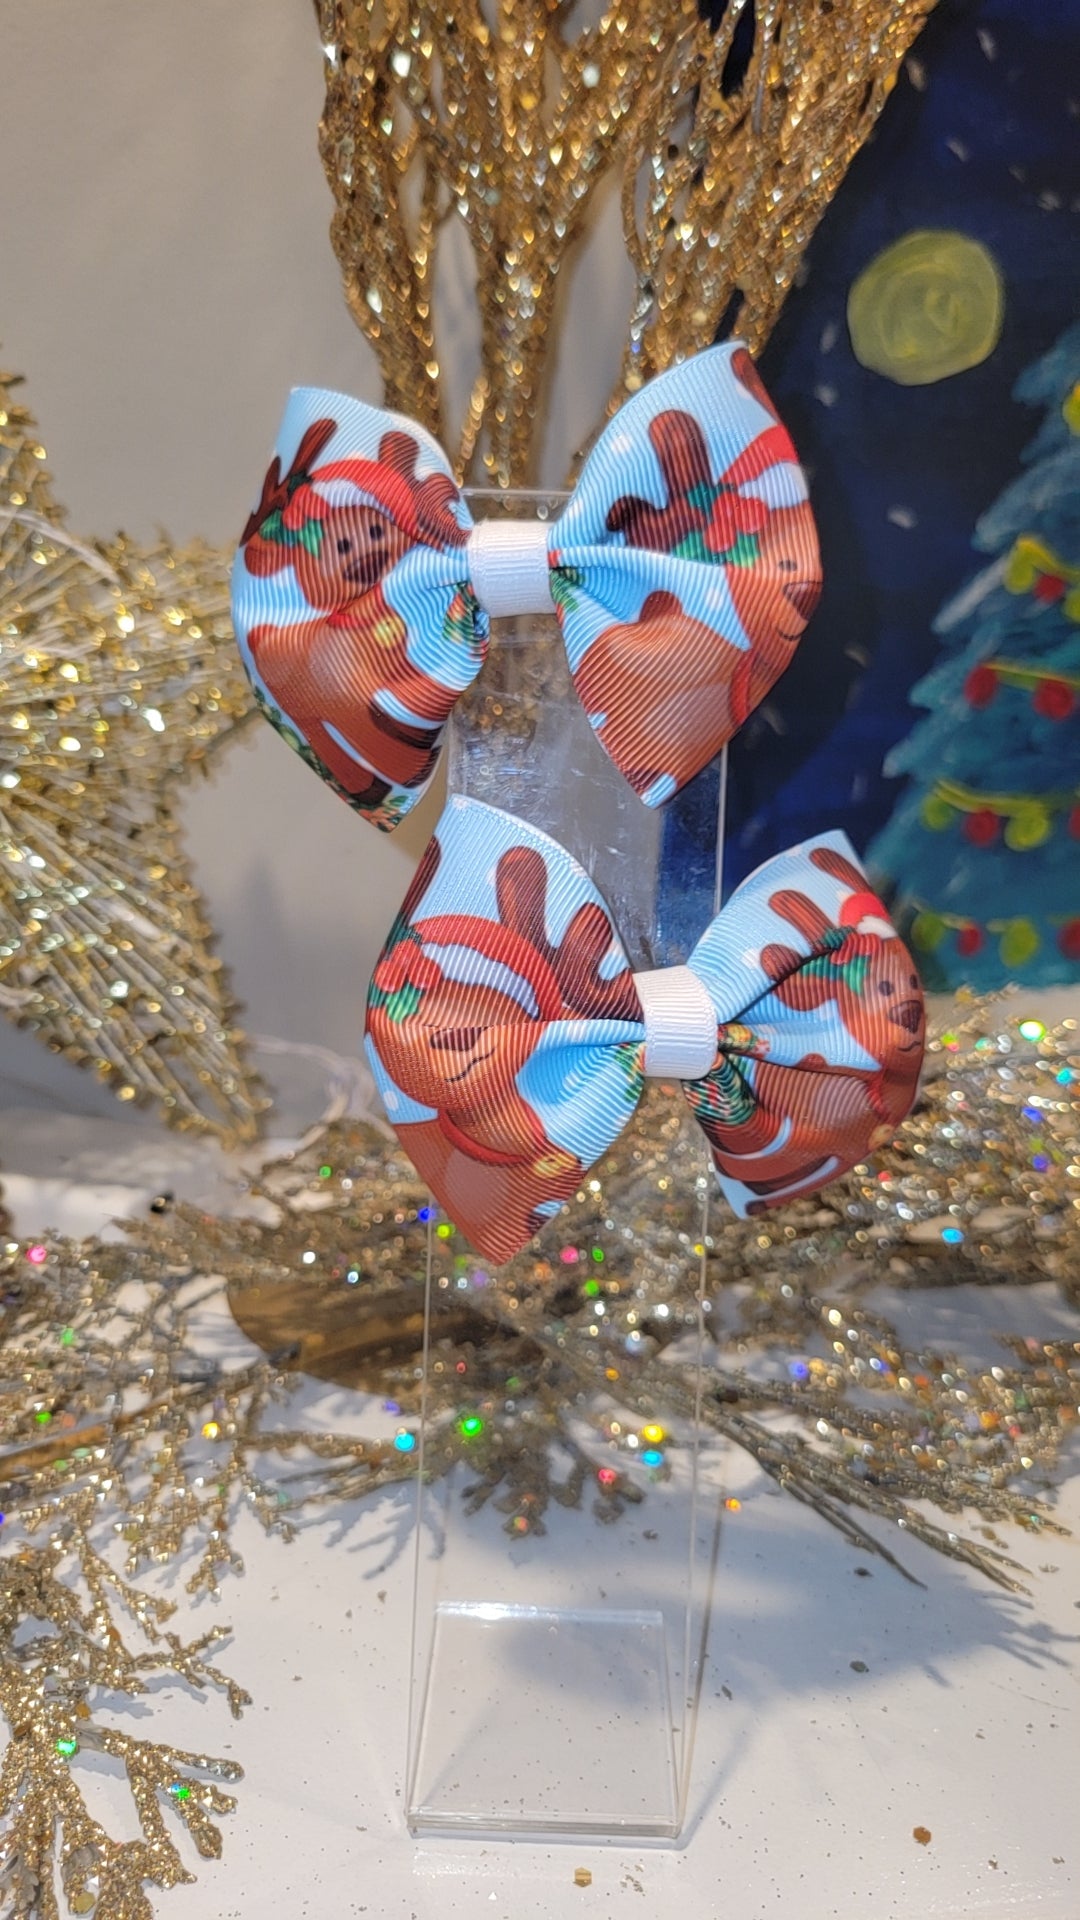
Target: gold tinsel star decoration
[
  {"x": 117, "y": 677},
  {"x": 730, "y": 123}
]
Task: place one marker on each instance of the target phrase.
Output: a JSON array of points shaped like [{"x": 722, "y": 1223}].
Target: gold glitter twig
[{"x": 48, "y": 1685}]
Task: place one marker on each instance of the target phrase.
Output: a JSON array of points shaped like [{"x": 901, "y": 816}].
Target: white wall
[{"x": 165, "y": 277}]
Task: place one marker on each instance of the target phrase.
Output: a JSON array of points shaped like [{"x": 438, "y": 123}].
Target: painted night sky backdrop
[{"x": 981, "y": 136}]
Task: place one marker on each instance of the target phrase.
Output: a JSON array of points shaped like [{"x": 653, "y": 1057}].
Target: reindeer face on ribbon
[
  {"x": 682, "y": 572},
  {"x": 326, "y": 645},
  {"x": 510, "y": 1039}
]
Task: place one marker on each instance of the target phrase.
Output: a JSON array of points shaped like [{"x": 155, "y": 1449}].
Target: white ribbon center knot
[
  {"x": 508, "y": 566},
  {"x": 680, "y": 1023}
]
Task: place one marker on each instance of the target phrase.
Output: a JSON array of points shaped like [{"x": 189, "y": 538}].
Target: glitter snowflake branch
[
  {"x": 49, "y": 1688},
  {"x": 335, "y": 1285}
]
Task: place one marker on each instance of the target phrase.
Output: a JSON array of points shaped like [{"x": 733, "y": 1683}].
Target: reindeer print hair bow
[
  {"x": 510, "y": 1039},
  {"x": 683, "y": 571}
]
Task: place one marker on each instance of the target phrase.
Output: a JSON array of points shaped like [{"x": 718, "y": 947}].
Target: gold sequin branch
[
  {"x": 505, "y": 119},
  {"x": 379, "y": 175},
  {"x": 117, "y": 677},
  {"x": 734, "y": 156},
  {"x": 509, "y": 123}
]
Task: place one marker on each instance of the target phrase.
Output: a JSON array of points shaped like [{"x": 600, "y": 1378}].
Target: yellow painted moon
[{"x": 927, "y": 307}]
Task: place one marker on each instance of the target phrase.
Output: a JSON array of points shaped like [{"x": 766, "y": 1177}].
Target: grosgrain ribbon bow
[
  {"x": 683, "y": 571},
  {"x": 510, "y": 1039}
]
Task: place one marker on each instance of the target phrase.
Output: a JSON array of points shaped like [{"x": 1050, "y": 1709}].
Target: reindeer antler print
[
  {"x": 431, "y": 497},
  {"x": 805, "y": 916},
  {"x": 430, "y": 862},
  {"x": 683, "y": 458},
  {"x": 511, "y": 1040},
  {"x": 521, "y": 891},
  {"x": 860, "y": 904},
  {"x": 277, "y": 492},
  {"x": 829, "y": 861},
  {"x": 742, "y": 366},
  {"x": 521, "y": 895},
  {"x": 793, "y": 983}
]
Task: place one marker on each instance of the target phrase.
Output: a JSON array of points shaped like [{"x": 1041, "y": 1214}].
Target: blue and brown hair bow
[
  {"x": 683, "y": 571},
  {"x": 510, "y": 1038}
]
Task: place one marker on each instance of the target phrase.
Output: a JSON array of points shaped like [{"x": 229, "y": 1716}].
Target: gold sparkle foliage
[
  {"x": 51, "y": 1686},
  {"x": 730, "y": 142},
  {"x": 978, "y": 1186},
  {"x": 129, "y": 1448},
  {"x": 118, "y": 675}
]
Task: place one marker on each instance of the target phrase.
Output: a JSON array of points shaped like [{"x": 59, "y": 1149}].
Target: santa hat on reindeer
[{"x": 293, "y": 508}]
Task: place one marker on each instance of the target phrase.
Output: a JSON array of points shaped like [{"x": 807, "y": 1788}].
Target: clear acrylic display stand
[{"x": 554, "y": 1673}]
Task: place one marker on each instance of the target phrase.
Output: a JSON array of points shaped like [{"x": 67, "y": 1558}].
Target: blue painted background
[{"x": 990, "y": 146}]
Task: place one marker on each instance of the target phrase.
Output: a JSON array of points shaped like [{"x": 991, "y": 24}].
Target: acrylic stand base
[
  {"x": 555, "y": 1670},
  {"x": 597, "y": 1684},
  {"x": 555, "y": 1660}
]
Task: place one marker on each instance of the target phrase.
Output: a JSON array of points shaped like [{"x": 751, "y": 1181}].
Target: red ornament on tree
[
  {"x": 1049, "y": 588},
  {"x": 980, "y": 686},
  {"x": 969, "y": 940},
  {"x": 982, "y": 828},
  {"x": 1069, "y": 939},
  {"x": 1073, "y": 824},
  {"x": 1054, "y": 699}
]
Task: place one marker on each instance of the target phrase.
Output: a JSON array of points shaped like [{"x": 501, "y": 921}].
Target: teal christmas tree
[{"x": 981, "y": 858}]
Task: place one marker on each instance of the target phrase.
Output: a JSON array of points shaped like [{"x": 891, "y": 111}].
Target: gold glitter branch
[
  {"x": 56, "y": 1656},
  {"x": 506, "y": 120},
  {"x": 728, "y": 175},
  {"x": 561, "y": 1379},
  {"x": 118, "y": 676},
  {"x": 431, "y": 111},
  {"x": 979, "y": 1183}
]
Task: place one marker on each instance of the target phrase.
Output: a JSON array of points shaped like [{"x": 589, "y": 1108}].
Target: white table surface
[{"x": 809, "y": 1777}]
